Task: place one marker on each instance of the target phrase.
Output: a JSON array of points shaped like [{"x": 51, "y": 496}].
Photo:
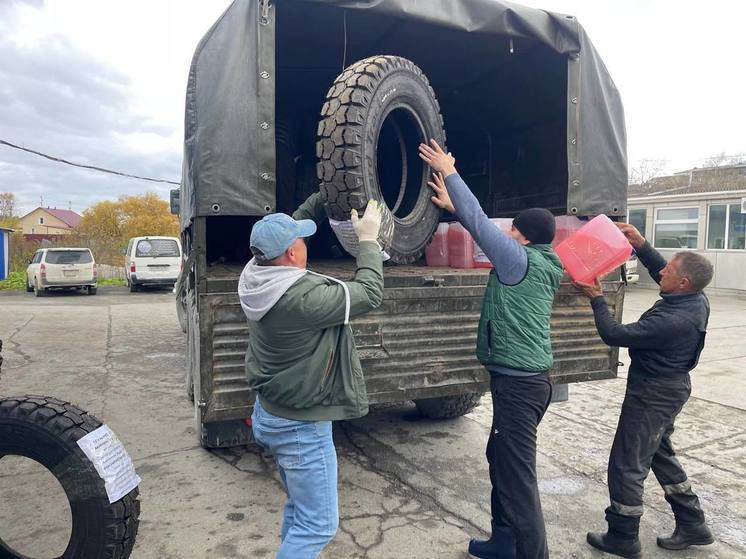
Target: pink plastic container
[
  {"x": 436, "y": 253},
  {"x": 565, "y": 226},
  {"x": 594, "y": 250},
  {"x": 480, "y": 258},
  {"x": 460, "y": 247}
]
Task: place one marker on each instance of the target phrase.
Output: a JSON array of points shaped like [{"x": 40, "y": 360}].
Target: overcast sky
[{"x": 102, "y": 82}]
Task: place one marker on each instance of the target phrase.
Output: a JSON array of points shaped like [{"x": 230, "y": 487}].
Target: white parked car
[
  {"x": 152, "y": 261},
  {"x": 53, "y": 268},
  {"x": 631, "y": 266}
]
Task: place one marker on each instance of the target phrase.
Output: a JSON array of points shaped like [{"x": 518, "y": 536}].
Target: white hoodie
[{"x": 260, "y": 287}]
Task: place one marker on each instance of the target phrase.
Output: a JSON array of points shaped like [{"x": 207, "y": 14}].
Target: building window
[
  {"x": 637, "y": 218},
  {"x": 676, "y": 227},
  {"x": 727, "y": 227},
  {"x": 41, "y": 221}
]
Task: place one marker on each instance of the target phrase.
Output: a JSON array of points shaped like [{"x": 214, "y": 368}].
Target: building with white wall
[{"x": 703, "y": 210}]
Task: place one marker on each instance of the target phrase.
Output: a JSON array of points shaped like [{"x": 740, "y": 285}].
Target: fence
[{"x": 110, "y": 272}]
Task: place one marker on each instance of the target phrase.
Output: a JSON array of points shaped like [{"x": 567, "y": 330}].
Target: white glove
[{"x": 368, "y": 226}]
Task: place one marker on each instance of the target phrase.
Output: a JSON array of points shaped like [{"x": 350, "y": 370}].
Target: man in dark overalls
[{"x": 664, "y": 345}]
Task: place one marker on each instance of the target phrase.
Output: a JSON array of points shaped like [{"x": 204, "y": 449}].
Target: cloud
[{"x": 56, "y": 98}]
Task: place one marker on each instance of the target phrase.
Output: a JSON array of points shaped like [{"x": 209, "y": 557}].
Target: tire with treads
[
  {"x": 448, "y": 407},
  {"x": 46, "y": 430},
  {"x": 375, "y": 115}
]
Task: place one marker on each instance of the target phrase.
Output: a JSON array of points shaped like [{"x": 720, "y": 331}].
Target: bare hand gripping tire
[
  {"x": 46, "y": 430},
  {"x": 376, "y": 114}
]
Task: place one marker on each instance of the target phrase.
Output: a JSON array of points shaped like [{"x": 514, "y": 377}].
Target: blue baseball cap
[{"x": 274, "y": 233}]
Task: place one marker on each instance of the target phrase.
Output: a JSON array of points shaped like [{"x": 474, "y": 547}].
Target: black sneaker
[{"x": 500, "y": 546}]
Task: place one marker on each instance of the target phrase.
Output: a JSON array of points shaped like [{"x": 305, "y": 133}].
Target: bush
[
  {"x": 14, "y": 281},
  {"x": 111, "y": 281},
  {"x": 21, "y": 251}
]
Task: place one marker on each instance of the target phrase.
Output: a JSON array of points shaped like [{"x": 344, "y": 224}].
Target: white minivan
[
  {"x": 53, "y": 268},
  {"x": 152, "y": 261}
]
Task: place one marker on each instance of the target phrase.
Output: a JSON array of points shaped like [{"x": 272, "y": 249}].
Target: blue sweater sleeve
[{"x": 505, "y": 253}]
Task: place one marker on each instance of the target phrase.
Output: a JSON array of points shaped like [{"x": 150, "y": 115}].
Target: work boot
[
  {"x": 500, "y": 546},
  {"x": 610, "y": 542},
  {"x": 685, "y": 535}
]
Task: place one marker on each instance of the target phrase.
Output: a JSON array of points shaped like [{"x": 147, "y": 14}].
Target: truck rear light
[
  {"x": 95, "y": 271},
  {"x": 132, "y": 268},
  {"x": 43, "y": 271}
]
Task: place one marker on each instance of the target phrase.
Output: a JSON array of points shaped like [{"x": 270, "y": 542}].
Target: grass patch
[
  {"x": 112, "y": 281},
  {"x": 15, "y": 281}
]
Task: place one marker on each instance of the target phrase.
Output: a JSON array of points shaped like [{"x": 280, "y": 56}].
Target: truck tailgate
[{"x": 420, "y": 343}]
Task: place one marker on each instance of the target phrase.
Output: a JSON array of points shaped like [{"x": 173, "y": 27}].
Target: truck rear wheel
[
  {"x": 376, "y": 114},
  {"x": 46, "y": 430},
  {"x": 447, "y": 407}
]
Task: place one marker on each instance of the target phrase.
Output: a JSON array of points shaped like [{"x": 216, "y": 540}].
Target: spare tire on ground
[
  {"x": 376, "y": 114},
  {"x": 47, "y": 430}
]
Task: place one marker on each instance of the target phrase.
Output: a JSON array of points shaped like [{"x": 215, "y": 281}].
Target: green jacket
[
  {"x": 302, "y": 359},
  {"x": 514, "y": 324}
]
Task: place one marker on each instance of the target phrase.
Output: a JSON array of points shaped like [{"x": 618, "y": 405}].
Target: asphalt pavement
[{"x": 409, "y": 487}]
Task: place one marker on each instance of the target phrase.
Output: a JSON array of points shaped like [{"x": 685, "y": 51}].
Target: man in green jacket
[
  {"x": 303, "y": 364},
  {"x": 514, "y": 346}
]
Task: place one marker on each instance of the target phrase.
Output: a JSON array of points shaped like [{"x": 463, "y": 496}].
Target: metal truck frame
[{"x": 554, "y": 138}]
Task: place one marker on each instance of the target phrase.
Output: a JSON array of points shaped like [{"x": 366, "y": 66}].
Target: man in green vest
[{"x": 513, "y": 344}]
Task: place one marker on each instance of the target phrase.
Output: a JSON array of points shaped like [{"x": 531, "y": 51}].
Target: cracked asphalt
[{"x": 409, "y": 487}]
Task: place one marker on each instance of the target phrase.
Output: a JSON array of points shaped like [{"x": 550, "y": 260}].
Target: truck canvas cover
[{"x": 229, "y": 157}]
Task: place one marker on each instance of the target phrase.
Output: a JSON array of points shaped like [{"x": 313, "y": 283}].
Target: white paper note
[{"x": 107, "y": 453}]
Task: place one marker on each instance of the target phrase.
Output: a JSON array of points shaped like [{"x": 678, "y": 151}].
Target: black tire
[
  {"x": 134, "y": 288},
  {"x": 39, "y": 291},
  {"x": 46, "y": 430},
  {"x": 29, "y": 287},
  {"x": 448, "y": 407},
  {"x": 92, "y": 290},
  {"x": 378, "y": 111}
]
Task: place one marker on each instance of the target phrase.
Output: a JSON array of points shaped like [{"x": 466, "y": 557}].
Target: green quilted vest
[{"x": 514, "y": 324}]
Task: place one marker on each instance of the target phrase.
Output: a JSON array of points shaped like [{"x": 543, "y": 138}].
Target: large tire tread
[
  {"x": 340, "y": 140},
  {"x": 448, "y": 407},
  {"x": 69, "y": 423}
]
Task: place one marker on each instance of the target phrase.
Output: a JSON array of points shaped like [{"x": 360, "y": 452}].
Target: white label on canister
[{"x": 108, "y": 455}]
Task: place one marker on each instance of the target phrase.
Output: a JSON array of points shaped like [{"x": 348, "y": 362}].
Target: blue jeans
[{"x": 307, "y": 461}]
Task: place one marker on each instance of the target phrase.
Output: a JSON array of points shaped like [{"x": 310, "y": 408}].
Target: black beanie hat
[{"x": 536, "y": 224}]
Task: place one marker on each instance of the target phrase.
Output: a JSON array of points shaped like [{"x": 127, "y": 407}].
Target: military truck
[{"x": 333, "y": 96}]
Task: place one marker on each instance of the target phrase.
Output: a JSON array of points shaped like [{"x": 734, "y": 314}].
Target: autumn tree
[
  {"x": 8, "y": 217},
  {"x": 147, "y": 215},
  {"x": 107, "y": 226}
]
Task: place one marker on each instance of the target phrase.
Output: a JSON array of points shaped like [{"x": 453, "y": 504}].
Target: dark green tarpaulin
[{"x": 230, "y": 106}]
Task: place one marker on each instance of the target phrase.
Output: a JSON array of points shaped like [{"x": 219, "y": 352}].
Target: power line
[{"x": 91, "y": 167}]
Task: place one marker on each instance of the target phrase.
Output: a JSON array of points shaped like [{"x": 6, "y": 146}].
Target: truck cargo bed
[{"x": 419, "y": 343}]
